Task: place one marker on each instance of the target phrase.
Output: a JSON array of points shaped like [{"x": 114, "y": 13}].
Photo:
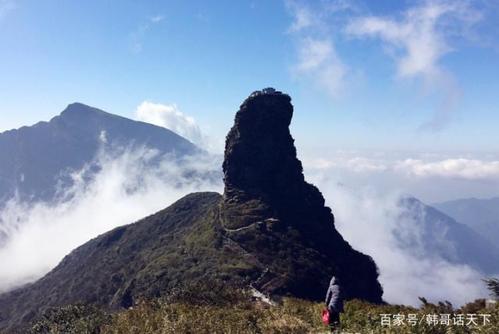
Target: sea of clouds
[
  {"x": 372, "y": 220},
  {"x": 135, "y": 183},
  {"x": 125, "y": 188}
]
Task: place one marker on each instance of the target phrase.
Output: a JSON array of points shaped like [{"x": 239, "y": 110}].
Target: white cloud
[
  {"x": 318, "y": 61},
  {"x": 306, "y": 16},
  {"x": 157, "y": 18},
  {"x": 103, "y": 137},
  {"x": 429, "y": 177},
  {"x": 418, "y": 41},
  {"x": 421, "y": 37},
  {"x": 129, "y": 186},
  {"x": 302, "y": 15},
  {"x": 170, "y": 117},
  {"x": 470, "y": 169},
  {"x": 355, "y": 164},
  {"x": 370, "y": 221},
  {"x": 137, "y": 36},
  {"x": 423, "y": 166}
]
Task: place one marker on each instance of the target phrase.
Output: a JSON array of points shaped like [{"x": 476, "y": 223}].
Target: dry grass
[
  {"x": 292, "y": 316},
  {"x": 229, "y": 312}
]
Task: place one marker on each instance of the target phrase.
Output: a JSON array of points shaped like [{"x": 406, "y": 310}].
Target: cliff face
[
  {"x": 270, "y": 231},
  {"x": 260, "y": 164},
  {"x": 265, "y": 190},
  {"x": 260, "y": 158}
]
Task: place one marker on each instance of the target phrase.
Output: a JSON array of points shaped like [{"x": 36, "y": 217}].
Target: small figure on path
[{"x": 334, "y": 303}]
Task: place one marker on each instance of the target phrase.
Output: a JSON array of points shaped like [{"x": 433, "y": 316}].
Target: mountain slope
[
  {"x": 126, "y": 262},
  {"x": 33, "y": 160},
  {"x": 440, "y": 235},
  {"x": 270, "y": 231},
  {"x": 480, "y": 214}
]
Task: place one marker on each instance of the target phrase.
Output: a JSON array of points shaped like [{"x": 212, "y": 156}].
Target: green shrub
[{"x": 71, "y": 319}]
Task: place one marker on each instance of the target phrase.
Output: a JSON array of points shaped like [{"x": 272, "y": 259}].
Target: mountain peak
[
  {"x": 266, "y": 91},
  {"x": 72, "y": 139},
  {"x": 260, "y": 158},
  {"x": 265, "y": 188},
  {"x": 81, "y": 109}
]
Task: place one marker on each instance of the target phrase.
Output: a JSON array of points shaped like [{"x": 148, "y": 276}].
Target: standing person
[{"x": 334, "y": 303}]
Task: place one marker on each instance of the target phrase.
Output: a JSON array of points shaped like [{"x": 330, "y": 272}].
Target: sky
[{"x": 404, "y": 79}]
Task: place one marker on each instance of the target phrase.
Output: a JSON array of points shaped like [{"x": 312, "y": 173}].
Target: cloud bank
[
  {"x": 170, "y": 117},
  {"x": 430, "y": 177},
  {"x": 128, "y": 186},
  {"x": 370, "y": 220},
  {"x": 470, "y": 169},
  {"x": 447, "y": 168},
  {"x": 134, "y": 183}
]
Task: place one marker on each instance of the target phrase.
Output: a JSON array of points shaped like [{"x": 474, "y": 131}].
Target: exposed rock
[
  {"x": 264, "y": 182},
  {"x": 261, "y": 170}
]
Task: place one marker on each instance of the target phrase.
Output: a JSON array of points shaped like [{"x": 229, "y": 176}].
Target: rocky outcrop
[
  {"x": 260, "y": 164},
  {"x": 265, "y": 186}
]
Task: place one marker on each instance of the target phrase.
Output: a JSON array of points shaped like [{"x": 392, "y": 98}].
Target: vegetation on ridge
[{"x": 214, "y": 309}]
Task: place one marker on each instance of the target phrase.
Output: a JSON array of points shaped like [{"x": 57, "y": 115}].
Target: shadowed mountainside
[
  {"x": 482, "y": 215},
  {"x": 270, "y": 231},
  {"x": 441, "y": 236},
  {"x": 33, "y": 160}
]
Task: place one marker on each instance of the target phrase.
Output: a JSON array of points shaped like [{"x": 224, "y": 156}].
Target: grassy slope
[{"x": 225, "y": 312}]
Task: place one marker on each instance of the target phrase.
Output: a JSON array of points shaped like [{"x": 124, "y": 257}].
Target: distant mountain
[
  {"x": 269, "y": 232},
  {"x": 35, "y": 160},
  {"x": 480, "y": 214},
  {"x": 436, "y": 234}
]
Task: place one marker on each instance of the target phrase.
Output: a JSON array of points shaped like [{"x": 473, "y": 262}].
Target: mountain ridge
[
  {"x": 481, "y": 214},
  {"x": 441, "y": 235},
  {"x": 34, "y": 158}
]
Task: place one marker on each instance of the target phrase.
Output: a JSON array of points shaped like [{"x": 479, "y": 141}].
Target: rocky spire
[
  {"x": 295, "y": 238},
  {"x": 260, "y": 158}
]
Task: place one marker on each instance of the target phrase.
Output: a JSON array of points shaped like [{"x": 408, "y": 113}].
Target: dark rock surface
[
  {"x": 260, "y": 161},
  {"x": 269, "y": 231},
  {"x": 264, "y": 185}
]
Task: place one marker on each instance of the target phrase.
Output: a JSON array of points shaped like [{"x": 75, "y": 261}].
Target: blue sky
[{"x": 384, "y": 75}]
